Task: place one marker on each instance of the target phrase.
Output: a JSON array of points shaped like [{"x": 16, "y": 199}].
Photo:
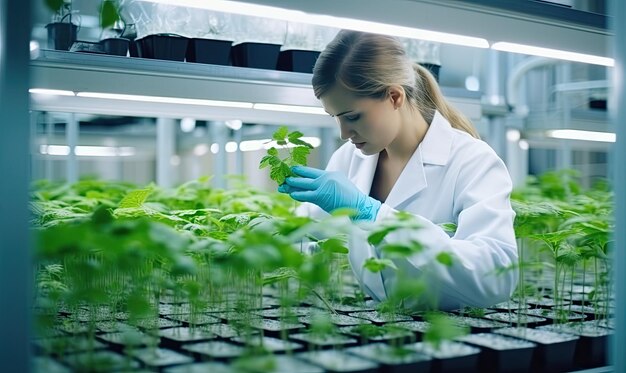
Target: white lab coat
[{"x": 451, "y": 177}]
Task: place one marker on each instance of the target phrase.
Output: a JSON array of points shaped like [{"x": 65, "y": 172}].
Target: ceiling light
[
  {"x": 252, "y": 145},
  {"x": 231, "y": 147},
  {"x": 187, "y": 124},
  {"x": 291, "y": 108},
  {"x": 582, "y": 135},
  {"x": 166, "y": 100},
  {"x": 200, "y": 150},
  {"x": 234, "y": 124},
  {"x": 215, "y": 148},
  {"x": 553, "y": 53},
  {"x": 513, "y": 135},
  {"x": 324, "y": 20},
  {"x": 88, "y": 151},
  {"x": 523, "y": 144},
  {"x": 50, "y": 92}
]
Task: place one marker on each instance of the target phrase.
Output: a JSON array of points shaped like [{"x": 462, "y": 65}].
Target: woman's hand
[{"x": 330, "y": 191}]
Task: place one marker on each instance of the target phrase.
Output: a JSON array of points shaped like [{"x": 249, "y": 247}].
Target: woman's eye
[{"x": 352, "y": 118}]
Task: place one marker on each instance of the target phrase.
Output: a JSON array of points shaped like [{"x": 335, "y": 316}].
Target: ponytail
[{"x": 429, "y": 98}]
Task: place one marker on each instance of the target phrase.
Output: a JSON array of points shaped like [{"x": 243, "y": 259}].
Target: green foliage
[
  {"x": 280, "y": 168},
  {"x": 54, "y": 5},
  {"x": 109, "y": 13},
  {"x": 377, "y": 264},
  {"x": 441, "y": 329}
]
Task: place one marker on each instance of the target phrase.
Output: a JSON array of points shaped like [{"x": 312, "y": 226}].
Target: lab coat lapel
[
  {"x": 412, "y": 180},
  {"x": 433, "y": 150},
  {"x": 362, "y": 169}
]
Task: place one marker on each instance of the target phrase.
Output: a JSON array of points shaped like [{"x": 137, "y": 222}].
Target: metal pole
[
  {"x": 618, "y": 345},
  {"x": 49, "y": 172},
  {"x": 218, "y": 133},
  {"x": 166, "y": 143},
  {"x": 71, "y": 137},
  {"x": 15, "y": 251},
  {"x": 494, "y": 90}
]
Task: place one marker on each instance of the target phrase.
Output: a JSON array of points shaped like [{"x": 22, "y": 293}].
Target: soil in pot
[
  {"x": 223, "y": 330},
  {"x": 476, "y": 325},
  {"x": 393, "y": 359},
  {"x": 545, "y": 302},
  {"x": 155, "y": 323},
  {"x": 215, "y": 349},
  {"x": 159, "y": 357},
  {"x": 211, "y": 367},
  {"x": 336, "y": 319},
  {"x": 370, "y": 332},
  {"x": 448, "y": 356},
  {"x": 216, "y": 52},
  {"x": 591, "y": 348},
  {"x": 500, "y": 353},
  {"x": 418, "y": 327},
  {"x": 514, "y": 318},
  {"x": 200, "y": 319},
  {"x": 276, "y": 313},
  {"x": 323, "y": 340},
  {"x": 174, "y": 309},
  {"x": 509, "y": 306},
  {"x": 130, "y": 338},
  {"x": 337, "y": 361},
  {"x": 554, "y": 314},
  {"x": 380, "y": 318},
  {"x": 275, "y": 328},
  {"x": 115, "y": 46},
  {"x": 256, "y": 55},
  {"x": 176, "y": 336},
  {"x": 268, "y": 344},
  {"x": 65, "y": 345},
  {"x": 61, "y": 35},
  {"x": 301, "y": 61},
  {"x": 554, "y": 352},
  {"x": 275, "y": 364},
  {"x": 100, "y": 361},
  {"x": 163, "y": 47}
]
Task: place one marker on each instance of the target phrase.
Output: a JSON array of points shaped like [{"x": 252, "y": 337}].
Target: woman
[{"x": 408, "y": 150}]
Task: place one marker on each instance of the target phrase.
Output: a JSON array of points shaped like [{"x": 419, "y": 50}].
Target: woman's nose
[{"x": 345, "y": 133}]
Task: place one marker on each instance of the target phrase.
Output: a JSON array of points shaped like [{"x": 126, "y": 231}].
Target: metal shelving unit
[{"x": 77, "y": 72}]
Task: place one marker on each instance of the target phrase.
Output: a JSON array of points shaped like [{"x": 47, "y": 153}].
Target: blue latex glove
[{"x": 330, "y": 191}]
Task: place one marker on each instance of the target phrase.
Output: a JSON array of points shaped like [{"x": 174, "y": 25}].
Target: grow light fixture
[
  {"x": 553, "y": 53},
  {"x": 324, "y": 20},
  {"x": 582, "y": 135},
  {"x": 88, "y": 151},
  {"x": 50, "y": 92},
  {"x": 291, "y": 108},
  {"x": 166, "y": 100}
]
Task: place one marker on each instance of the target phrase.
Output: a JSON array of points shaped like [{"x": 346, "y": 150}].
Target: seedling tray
[
  {"x": 500, "y": 353},
  {"x": 393, "y": 359}
]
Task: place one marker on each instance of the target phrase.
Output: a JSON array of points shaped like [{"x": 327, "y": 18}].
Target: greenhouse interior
[{"x": 186, "y": 189}]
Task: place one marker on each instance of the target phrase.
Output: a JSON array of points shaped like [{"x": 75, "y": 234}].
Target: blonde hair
[{"x": 368, "y": 64}]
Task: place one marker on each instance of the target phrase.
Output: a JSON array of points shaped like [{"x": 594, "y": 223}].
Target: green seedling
[{"x": 280, "y": 168}]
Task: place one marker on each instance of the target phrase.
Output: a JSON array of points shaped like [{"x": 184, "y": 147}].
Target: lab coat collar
[
  {"x": 434, "y": 149},
  {"x": 437, "y": 143}
]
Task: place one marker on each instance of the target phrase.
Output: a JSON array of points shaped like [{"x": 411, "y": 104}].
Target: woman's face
[{"x": 371, "y": 125}]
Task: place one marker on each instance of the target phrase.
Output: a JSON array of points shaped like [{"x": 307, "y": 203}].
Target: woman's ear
[{"x": 397, "y": 96}]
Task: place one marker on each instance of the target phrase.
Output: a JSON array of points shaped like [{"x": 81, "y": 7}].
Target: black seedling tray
[
  {"x": 256, "y": 55},
  {"x": 162, "y": 47},
  {"x": 500, "y": 353},
  {"x": 216, "y": 52},
  {"x": 301, "y": 61}
]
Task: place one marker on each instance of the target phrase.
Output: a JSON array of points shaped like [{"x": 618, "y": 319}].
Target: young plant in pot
[
  {"x": 110, "y": 20},
  {"x": 61, "y": 31}
]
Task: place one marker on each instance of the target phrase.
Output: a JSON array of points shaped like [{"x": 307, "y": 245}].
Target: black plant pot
[
  {"x": 500, "y": 353},
  {"x": 555, "y": 351},
  {"x": 133, "y": 51},
  {"x": 337, "y": 361},
  {"x": 449, "y": 356},
  {"x": 591, "y": 347},
  {"x": 115, "y": 46},
  {"x": 155, "y": 358},
  {"x": 256, "y": 55},
  {"x": 434, "y": 69},
  {"x": 215, "y": 350},
  {"x": 61, "y": 35},
  {"x": 216, "y": 52},
  {"x": 297, "y": 60},
  {"x": 163, "y": 47},
  {"x": 391, "y": 362}
]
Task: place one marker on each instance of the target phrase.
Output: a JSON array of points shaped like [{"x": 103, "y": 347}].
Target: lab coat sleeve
[{"x": 483, "y": 243}]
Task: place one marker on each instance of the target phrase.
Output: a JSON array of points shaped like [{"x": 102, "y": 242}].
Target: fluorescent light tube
[
  {"x": 324, "y": 20},
  {"x": 88, "y": 151},
  {"x": 166, "y": 100},
  {"x": 291, "y": 108},
  {"x": 50, "y": 92},
  {"x": 553, "y": 53},
  {"x": 582, "y": 135}
]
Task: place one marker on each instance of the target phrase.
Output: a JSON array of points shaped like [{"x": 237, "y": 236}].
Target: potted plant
[
  {"x": 61, "y": 31},
  {"x": 110, "y": 20}
]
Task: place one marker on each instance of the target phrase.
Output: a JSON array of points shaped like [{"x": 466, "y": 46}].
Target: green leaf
[
  {"x": 280, "y": 134},
  {"x": 300, "y": 142},
  {"x": 135, "y": 198},
  {"x": 108, "y": 14},
  {"x": 54, "y": 5},
  {"x": 449, "y": 227},
  {"x": 445, "y": 258},
  {"x": 333, "y": 245},
  {"x": 269, "y": 160},
  {"x": 280, "y": 172},
  {"x": 295, "y": 135},
  {"x": 377, "y": 237},
  {"x": 377, "y": 265},
  {"x": 272, "y": 151},
  {"x": 397, "y": 250},
  {"x": 299, "y": 154}
]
